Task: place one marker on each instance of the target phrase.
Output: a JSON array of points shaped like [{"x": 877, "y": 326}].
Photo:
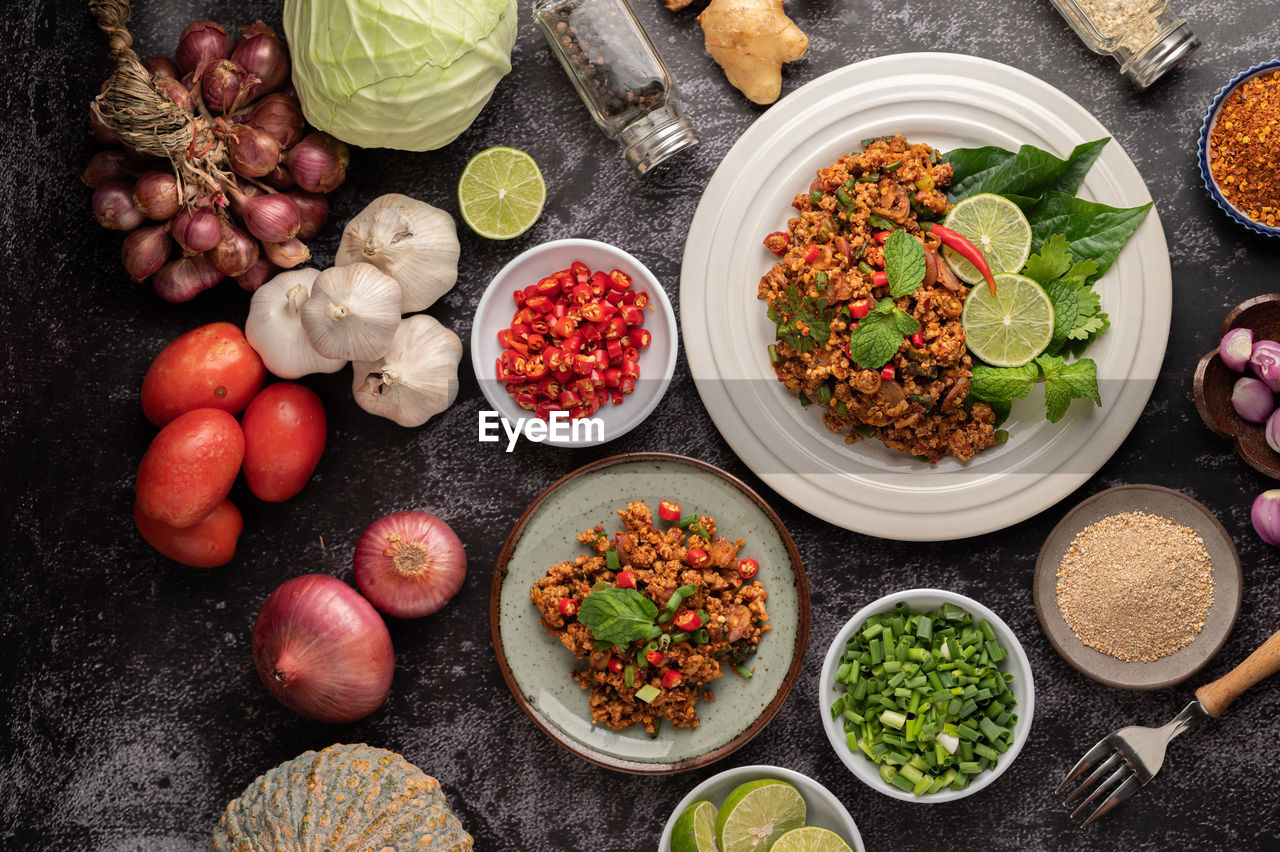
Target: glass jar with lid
[
  {"x": 619, "y": 75},
  {"x": 1146, "y": 37}
]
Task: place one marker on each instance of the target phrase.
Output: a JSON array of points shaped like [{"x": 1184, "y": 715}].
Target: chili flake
[{"x": 1244, "y": 148}]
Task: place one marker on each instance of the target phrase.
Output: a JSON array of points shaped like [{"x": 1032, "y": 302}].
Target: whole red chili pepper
[{"x": 965, "y": 249}]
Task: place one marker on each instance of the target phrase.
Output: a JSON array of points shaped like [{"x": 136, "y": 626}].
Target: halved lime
[
  {"x": 695, "y": 830},
  {"x": 757, "y": 813},
  {"x": 501, "y": 193},
  {"x": 995, "y": 225},
  {"x": 1010, "y": 327},
  {"x": 811, "y": 839}
]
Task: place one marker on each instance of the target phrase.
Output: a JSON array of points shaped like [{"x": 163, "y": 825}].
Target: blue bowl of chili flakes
[{"x": 1271, "y": 68}]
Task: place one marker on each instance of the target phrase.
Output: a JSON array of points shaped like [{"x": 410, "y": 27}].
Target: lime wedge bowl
[{"x": 822, "y": 809}]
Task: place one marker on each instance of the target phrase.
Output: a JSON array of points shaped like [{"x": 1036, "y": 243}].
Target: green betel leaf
[
  {"x": 1031, "y": 172},
  {"x": 875, "y": 340},
  {"x": 904, "y": 263},
  {"x": 619, "y": 616},
  {"x": 1096, "y": 232},
  {"x": 1066, "y": 382},
  {"x": 1002, "y": 384}
]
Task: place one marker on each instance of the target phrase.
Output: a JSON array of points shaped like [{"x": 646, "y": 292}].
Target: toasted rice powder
[{"x": 1136, "y": 586}]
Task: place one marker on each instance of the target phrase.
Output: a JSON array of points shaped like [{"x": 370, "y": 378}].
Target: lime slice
[
  {"x": 501, "y": 193},
  {"x": 1010, "y": 327},
  {"x": 811, "y": 839},
  {"x": 995, "y": 225},
  {"x": 757, "y": 813},
  {"x": 695, "y": 830}
]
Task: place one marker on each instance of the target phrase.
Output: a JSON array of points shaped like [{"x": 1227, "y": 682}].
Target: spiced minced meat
[
  {"x": 919, "y": 403},
  {"x": 658, "y": 563}
]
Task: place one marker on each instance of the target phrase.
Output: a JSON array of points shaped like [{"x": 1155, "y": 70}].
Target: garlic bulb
[
  {"x": 411, "y": 241},
  {"x": 274, "y": 327},
  {"x": 416, "y": 379},
  {"x": 353, "y": 312}
]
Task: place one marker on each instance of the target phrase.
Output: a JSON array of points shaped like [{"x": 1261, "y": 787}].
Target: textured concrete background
[{"x": 133, "y": 711}]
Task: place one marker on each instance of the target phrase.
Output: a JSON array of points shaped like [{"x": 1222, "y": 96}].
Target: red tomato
[
  {"x": 284, "y": 434},
  {"x": 190, "y": 467},
  {"x": 212, "y": 366},
  {"x": 208, "y": 544}
]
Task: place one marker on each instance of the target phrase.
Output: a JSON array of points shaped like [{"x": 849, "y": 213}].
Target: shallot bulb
[
  {"x": 114, "y": 208},
  {"x": 1252, "y": 399},
  {"x": 236, "y": 252},
  {"x": 271, "y": 218},
  {"x": 106, "y": 166},
  {"x": 1265, "y": 516},
  {"x": 253, "y": 152},
  {"x": 145, "y": 250},
  {"x": 1272, "y": 432},
  {"x": 105, "y": 136},
  {"x": 279, "y": 178},
  {"x": 278, "y": 115},
  {"x": 317, "y": 164},
  {"x": 175, "y": 91},
  {"x": 260, "y": 273},
  {"x": 196, "y": 230},
  {"x": 202, "y": 41},
  {"x": 183, "y": 279},
  {"x": 259, "y": 51},
  {"x": 162, "y": 66},
  {"x": 314, "y": 210},
  {"x": 1264, "y": 361},
  {"x": 224, "y": 85},
  {"x": 1235, "y": 348},
  {"x": 322, "y": 650},
  {"x": 287, "y": 254},
  {"x": 156, "y": 195},
  {"x": 410, "y": 564}
]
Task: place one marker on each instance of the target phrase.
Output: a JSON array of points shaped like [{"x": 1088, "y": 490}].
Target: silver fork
[{"x": 1124, "y": 761}]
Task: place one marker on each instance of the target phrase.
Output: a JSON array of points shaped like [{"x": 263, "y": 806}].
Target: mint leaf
[
  {"x": 875, "y": 340},
  {"x": 904, "y": 263},
  {"x": 619, "y": 616},
  {"x": 1066, "y": 308},
  {"x": 1066, "y": 382},
  {"x": 1052, "y": 261},
  {"x": 907, "y": 324},
  {"x": 1002, "y": 384}
]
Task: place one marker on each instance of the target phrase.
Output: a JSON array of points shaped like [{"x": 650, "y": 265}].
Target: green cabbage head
[{"x": 409, "y": 74}]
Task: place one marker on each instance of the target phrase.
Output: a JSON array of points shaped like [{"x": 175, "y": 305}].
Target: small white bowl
[
  {"x": 924, "y": 600},
  {"x": 824, "y": 809},
  {"x": 657, "y": 362}
]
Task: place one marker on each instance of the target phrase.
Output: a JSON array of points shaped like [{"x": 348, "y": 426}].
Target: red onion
[
  {"x": 1272, "y": 431},
  {"x": 278, "y": 115},
  {"x": 178, "y": 93},
  {"x": 260, "y": 273},
  {"x": 322, "y": 650},
  {"x": 254, "y": 152},
  {"x": 224, "y": 85},
  {"x": 270, "y": 218},
  {"x": 236, "y": 252},
  {"x": 156, "y": 195},
  {"x": 114, "y": 208},
  {"x": 202, "y": 41},
  {"x": 314, "y": 210},
  {"x": 196, "y": 230},
  {"x": 316, "y": 165},
  {"x": 106, "y": 166},
  {"x": 287, "y": 254},
  {"x": 259, "y": 51},
  {"x": 1236, "y": 347},
  {"x": 1252, "y": 400},
  {"x": 280, "y": 178},
  {"x": 185, "y": 278},
  {"x": 1265, "y": 515},
  {"x": 145, "y": 251},
  {"x": 162, "y": 66},
  {"x": 1264, "y": 360},
  {"x": 410, "y": 564}
]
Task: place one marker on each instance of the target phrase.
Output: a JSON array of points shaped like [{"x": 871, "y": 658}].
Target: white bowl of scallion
[{"x": 926, "y": 695}]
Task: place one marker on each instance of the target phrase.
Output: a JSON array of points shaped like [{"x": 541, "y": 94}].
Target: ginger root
[{"x": 751, "y": 39}]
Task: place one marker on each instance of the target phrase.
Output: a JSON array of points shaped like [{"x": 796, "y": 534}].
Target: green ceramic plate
[{"x": 537, "y": 667}]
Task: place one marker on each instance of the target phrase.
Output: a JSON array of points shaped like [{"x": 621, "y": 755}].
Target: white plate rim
[{"x": 914, "y": 512}]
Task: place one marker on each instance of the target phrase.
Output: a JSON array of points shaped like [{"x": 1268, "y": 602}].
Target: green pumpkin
[{"x": 346, "y": 798}]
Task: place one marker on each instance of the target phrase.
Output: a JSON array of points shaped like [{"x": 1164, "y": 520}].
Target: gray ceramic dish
[
  {"x": 1184, "y": 662},
  {"x": 536, "y": 666}
]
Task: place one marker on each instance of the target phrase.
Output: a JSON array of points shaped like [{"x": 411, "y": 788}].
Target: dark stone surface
[{"x": 132, "y": 709}]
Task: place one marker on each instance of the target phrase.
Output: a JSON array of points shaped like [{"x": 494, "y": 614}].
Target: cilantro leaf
[
  {"x": 1080, "y": 272},
  {"x": 804, "y": 323},
  {"x": 904, "y": 263},
  {"x": 1002, "y": 384},
  {"x": 1090, "y": 326},
  {"x": 1066, "y": 382},
  {"x": 1051, "y": 262}
]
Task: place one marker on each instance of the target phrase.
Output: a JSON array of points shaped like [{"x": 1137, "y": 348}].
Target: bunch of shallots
[{"x": 207, "y": 164}]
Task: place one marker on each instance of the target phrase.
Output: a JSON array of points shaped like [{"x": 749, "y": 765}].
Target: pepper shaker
[
  {"x": 619, "y": 76},
  {"x": 1147, "y": 38}
]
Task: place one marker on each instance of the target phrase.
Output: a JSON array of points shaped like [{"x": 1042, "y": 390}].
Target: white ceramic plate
[
  {"x": 822, "y": 808},
  {"x": 948, "y": 101}
]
